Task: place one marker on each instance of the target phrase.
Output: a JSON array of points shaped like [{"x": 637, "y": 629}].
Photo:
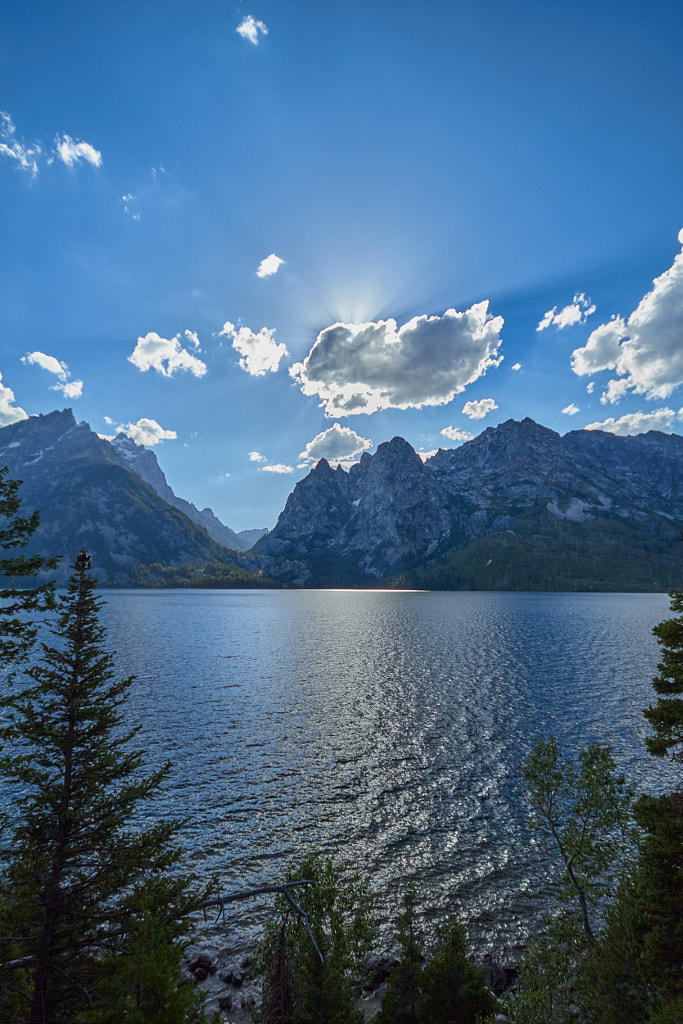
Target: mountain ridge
[{"x": 604, "y": 509}]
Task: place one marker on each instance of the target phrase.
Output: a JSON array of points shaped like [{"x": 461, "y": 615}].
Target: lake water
[{"x": 386, "y": 729}]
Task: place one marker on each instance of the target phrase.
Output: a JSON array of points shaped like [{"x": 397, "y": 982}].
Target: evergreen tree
[
  {"x": 666, "y": 716},
  {"x": 453, "y": 989},
  {"x": 84, "y": 896},
  {"x": 311, "y": 982},
  {"x": 402, "y": 1002},
  {"x": 19, "y": 604}
]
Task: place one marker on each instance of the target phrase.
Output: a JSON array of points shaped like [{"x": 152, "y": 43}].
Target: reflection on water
[{"x": 386, "y": 729}]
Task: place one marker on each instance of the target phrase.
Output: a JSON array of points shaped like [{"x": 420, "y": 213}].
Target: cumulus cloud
[
  {"x": 427, "y": 455},
  {"x": 516, "y": 366},
  {"x": 577, "y": 312},
  {"x": 638, "y": 422},
  {"x": 256, "y": 457},
  {"x": 269, "y": 266},
  {"x": 147, "y": 432},
  {"x": 167, "y": 355},
  {"x": 260, "y": 352},
  {"x": 571, "y": 410},
  {"x": 278, "y": 467},
  {"x": 69, "y": 388},
  {"x": 477, "y": 410},
  {"x": 71, "y": 152},
  {"x": 645, "y": 351},
  {"x": 361, "y": 368},
  {"x": 24, "y": 157},
  {"x": 455, "y": 434},
  {"x": 9, "y": 412},
  {"x": 338, "y": 444},
  {"x": 249, "y": 28},
  {"x": 590, "y": 387}
]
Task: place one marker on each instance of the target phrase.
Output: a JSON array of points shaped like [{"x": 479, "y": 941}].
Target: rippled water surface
[{"x": 386, "y": 729}]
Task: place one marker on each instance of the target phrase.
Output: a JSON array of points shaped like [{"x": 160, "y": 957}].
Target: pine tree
[
  {"x": 666, "y": 716},
  {"x": 453, "y": 989},
  {"x": 79, "y": 882},
  {"x": 299, "y": 986},
  {"x": 19, "y": 604},
  {"x": 402, "y": 1002}
]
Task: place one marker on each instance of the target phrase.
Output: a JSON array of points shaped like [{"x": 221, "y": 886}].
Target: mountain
[
  {"x": 144, "y": 464},
  {"x": 518, "y": 507},
  {"x": 104, "y": 496}
]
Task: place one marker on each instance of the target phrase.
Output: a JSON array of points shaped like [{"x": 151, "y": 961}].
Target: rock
[
  {"x": 225, "y": 1003},
  {"x": 377, "y": 970},
  {"x": 247, "y": 969},
  {"x": 494, "y": 975},
  {"x": 201, "y": 967}
]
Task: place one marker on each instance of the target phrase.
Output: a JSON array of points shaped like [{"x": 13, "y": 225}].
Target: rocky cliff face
[
  {"x": 518, "y": 486},
  {"x": 88, "y": 494}
]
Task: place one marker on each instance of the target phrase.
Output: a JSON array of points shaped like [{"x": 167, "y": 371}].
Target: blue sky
[{"x": 254, "y": 234}]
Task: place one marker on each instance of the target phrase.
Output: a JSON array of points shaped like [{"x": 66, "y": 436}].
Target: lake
[{"x": 386, "y": 729}]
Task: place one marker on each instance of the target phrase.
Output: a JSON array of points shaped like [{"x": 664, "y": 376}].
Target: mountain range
[
  {"x": 110, "y": 497},
  {"x": 518, "y": 507}
]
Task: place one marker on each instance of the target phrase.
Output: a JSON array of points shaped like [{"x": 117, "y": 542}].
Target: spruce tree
[
  {"x": 402, "y": 1002},
  {"x": 81, "y": 887},
  {"x": 311, "y": 982},
  {"x": 19, "y": 604},
  {"x": 666, "y": 716},
  {"x": 453, "y": 989}
]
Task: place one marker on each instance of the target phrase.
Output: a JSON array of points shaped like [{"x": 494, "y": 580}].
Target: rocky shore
[{"x": 232, "y": 989}]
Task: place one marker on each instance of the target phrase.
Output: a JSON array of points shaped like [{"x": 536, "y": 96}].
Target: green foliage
[
  {"x": 584, "y": 809},
  {"x": 635, "y": 976},
  {"x": 401, "y": 1004},
  {"x": 299, "y": 988},
  {"x": 666, "y": 716},
  {"x": 19, "y": 604},
  {"x": 548, "y": 975},
  {"x": 208, "y": 576},
  {"x": 82, "y": 891},
  {"x": 453, "y": 989}
]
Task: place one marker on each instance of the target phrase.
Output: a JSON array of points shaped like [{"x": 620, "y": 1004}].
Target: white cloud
[
  {"x": 336, "y": 444},
  {"x": 147, "y": 432},
  {"x": 269, "y": 266},
  {"x": 69, "y": 388},
  {"x": 516, "y": 366},
  {"x": 427, "y": 455},
  {"x": 166, "y": 355},
  {"x": 638, "y": 422},
  {"x": 455, "y": 434},
  {"x": 571, "y": 410},
  {"x": 9, "y": 412},
  {"x": 49, "y": 363},
  {"x": 25, "y": 157},
  {"x": 576, "y": 313},
  {"x": 71, "y": 152},
  {"x": 130, "y": 205},
  {"x": 279, "y": 467},
  {"x": 361, "y": 368},
  {"x": 256, "y": 457},
  {"x": 477, "y": 410},
  {"x": 249, "y": 28},
  {"x": 590, "y": 387},
  {"x": 260, "y": 352},
  {"x": 645, "y": 351}
]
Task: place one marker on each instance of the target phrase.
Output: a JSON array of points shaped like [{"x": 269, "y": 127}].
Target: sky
[{"x": 252, "y": 235}]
